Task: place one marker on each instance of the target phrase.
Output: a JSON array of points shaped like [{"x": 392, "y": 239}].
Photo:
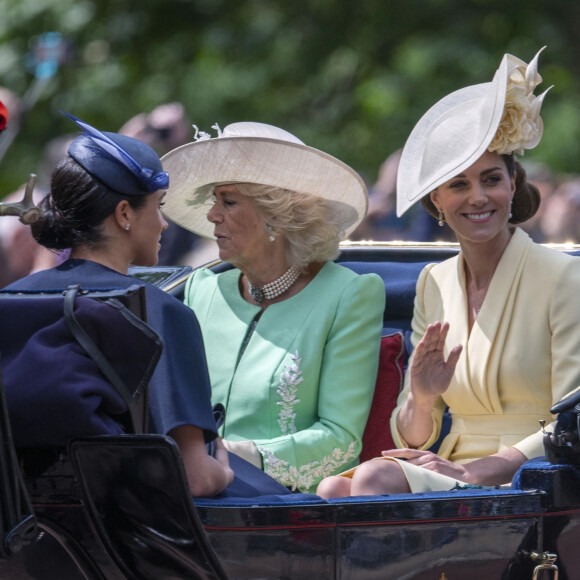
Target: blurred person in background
[
  {"x": 561, "y": 219},
  {"x": 20, "y": 253},
  {"x": 546, "y": 182},
  {"x": 381, "y": 222},
  {"x": 165, "y": 128}
]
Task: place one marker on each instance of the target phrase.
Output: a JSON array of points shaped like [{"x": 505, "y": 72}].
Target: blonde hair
[{"x": 313, "y": 227}]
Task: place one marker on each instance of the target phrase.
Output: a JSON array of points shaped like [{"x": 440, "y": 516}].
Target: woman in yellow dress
[{"x": 496, "y": 329}]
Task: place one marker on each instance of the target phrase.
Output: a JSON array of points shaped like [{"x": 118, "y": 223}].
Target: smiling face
[
  {"x": 147, "y": 225},
  {"x": 240, "y": 231},
  {"x": 477, "y": 202}
]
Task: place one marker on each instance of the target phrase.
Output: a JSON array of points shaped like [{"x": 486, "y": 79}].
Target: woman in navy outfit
[{"x": 105, "y": 206}]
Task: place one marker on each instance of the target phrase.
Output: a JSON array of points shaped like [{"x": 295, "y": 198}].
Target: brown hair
[
  {"x": 73, "y": 212},
  {"x": 526, "y": 199}
]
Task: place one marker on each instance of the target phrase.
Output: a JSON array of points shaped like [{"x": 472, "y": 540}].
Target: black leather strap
[{"x": 136, "y": 408}]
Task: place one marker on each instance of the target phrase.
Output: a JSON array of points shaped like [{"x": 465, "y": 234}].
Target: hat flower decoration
[
  {"x": 521, "y": 126},
  {"x": 501, "y": 116}
]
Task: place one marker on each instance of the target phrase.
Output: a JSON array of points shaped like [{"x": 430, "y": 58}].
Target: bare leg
[
  {"x": 334, "y": 486},
  {"x": 376, "y": 477}
]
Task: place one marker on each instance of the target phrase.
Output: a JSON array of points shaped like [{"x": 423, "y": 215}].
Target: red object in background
[{"x": 3, "y": 116}]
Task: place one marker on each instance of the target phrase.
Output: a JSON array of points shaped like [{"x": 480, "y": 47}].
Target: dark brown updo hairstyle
[
  {"x": 73, "y": 212},
  {"x": 526, "y": 200}
]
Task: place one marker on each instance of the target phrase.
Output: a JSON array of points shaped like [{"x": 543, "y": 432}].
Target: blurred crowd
[{"x": 167, "y": 127}]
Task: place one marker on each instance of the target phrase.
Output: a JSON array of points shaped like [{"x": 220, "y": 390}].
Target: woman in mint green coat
[{"x": 292, "y": 339}]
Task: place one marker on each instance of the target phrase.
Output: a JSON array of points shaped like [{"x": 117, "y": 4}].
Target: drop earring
[
  {"x": 127, "y": 227},
  {"x": 271, "y": 229},
  {"x": 511, "y": 214},
  {"x": 441, "y": 221}
]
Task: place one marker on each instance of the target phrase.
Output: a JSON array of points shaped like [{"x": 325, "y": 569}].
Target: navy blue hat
[{"x": 124, "y": 164}]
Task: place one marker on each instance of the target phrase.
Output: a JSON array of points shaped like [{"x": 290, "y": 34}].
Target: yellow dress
[{"x": 521, "y": 357}]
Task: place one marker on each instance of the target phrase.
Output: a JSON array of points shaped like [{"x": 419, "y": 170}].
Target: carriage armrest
[
  {"x": 136, "y": 494},
  {"x": 560, "y": 481}
]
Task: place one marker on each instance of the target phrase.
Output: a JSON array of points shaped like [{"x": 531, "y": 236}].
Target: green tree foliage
[{"x": 347, "y": 76}]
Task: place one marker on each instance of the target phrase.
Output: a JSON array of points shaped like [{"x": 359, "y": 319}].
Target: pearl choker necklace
[{"x": 273, "y": 289}]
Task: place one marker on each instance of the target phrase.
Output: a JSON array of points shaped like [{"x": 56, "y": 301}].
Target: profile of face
[
  {"x": 477, "y": 202},
  {"x": 146, "y": 226},
  {"x": 240, "y": 231}
]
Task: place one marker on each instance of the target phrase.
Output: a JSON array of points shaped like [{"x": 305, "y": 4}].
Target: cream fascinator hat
[
  {"x": 502, "y": 116},
  {"x": 256, "y": 153}
]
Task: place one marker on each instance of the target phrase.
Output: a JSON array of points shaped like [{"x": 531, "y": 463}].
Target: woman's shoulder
[
  {"x": 36, "y": 281},
  {"x": 74, "y": 271},
  {"x": 337, "y": 271},
  {"x": 346, "y": 281},
  {"x": 557, "y": 271},
  {"x": 433, "y": 273},
  {"x": 553, "y": 256},
  {"x": 201, "y": 276},
  {"x": 203, "y": 282},
  {"x": 438, "y": 270}
]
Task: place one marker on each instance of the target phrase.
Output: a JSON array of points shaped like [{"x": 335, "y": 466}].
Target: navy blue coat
[{"x": 179, "y": 389}]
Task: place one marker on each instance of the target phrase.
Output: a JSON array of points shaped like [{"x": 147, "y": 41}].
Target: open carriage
[{"x": 119, "y": 507}]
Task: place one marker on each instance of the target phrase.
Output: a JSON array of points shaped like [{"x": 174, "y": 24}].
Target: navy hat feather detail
[{"x": 124, "y": 164}]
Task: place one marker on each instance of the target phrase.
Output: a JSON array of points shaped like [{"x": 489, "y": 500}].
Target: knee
[
  {"x": 370, "y": 471},
  {"x": 377, "y": 477},
  {"x": 334, "y": 486}
]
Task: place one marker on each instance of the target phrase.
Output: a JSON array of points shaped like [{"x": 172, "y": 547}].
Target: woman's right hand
[
  {"x": 207, "y": 476},
  {"x": 429, "y": 377},
  {"x": 430, "y": 373}
]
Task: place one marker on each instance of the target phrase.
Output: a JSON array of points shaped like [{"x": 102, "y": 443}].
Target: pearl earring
[
  {"x": 441, "y": 222},
  {"x": 511, "y": 214},
  {"x": 271, "y": 229},
  {"x": 127, "y": 227}
]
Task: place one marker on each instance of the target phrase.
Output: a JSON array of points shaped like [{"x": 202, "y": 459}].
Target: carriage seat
[{"x": 75, "y": 363}]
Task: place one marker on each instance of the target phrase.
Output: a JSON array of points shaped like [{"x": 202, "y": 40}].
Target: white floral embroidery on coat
[
  {"x": 287, "y": 390},
  {"x": 305, "y": 476}
]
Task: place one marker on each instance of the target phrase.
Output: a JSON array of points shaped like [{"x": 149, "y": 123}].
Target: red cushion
[{"x": 377, "y": 433}]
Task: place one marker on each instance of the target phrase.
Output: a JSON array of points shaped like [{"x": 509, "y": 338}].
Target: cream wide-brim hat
[
  {"x": 251, "y": 152},
  {"x": 454, "y": 133}
]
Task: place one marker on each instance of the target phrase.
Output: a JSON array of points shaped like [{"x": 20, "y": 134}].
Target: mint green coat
[{"x": 303, "y": 388}]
